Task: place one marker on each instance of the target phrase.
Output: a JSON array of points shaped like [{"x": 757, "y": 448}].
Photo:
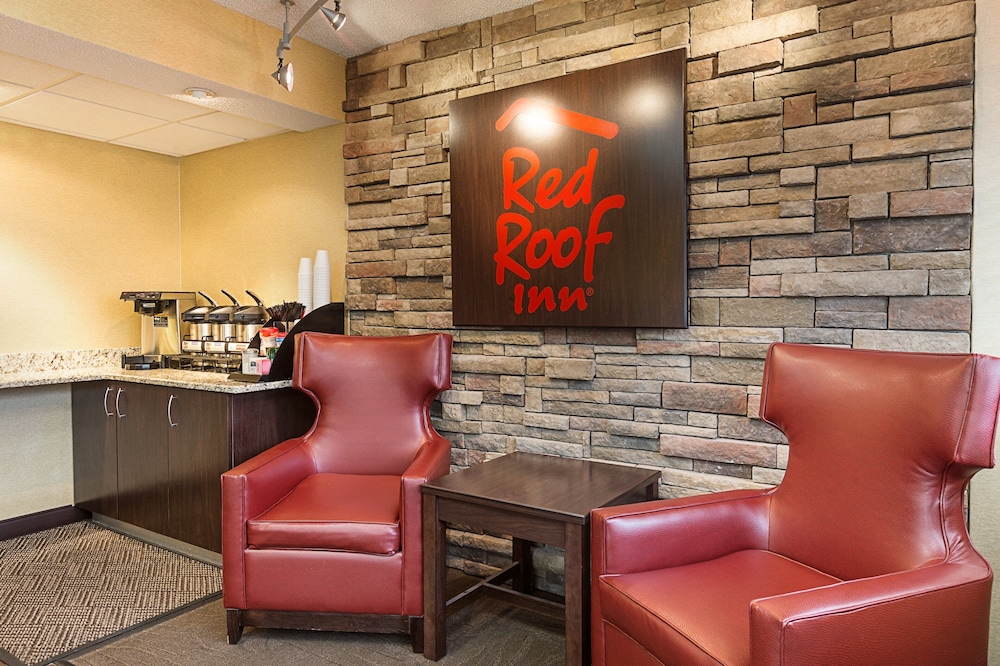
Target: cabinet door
[
  {"x": 143, "y": 456},
  {"x": 95, "y": 447},
  {"x": 199, "y": 454}
]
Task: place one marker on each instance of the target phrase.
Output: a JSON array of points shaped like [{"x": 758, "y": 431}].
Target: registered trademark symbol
[{"x": 590, "y": 291}]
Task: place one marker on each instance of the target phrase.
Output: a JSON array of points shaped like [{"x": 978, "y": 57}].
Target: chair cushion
[
  {"x": 349, "y": 512},
  {"x": 700, "y": 613}
]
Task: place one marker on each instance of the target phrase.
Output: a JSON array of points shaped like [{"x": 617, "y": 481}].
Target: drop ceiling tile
[
  {"x": 72, "y": 116},
  {"x": 226, "y": 123},
  {"x": 31, "y": 73},
  {"x": 122, "y": 97},
  {"x": 9, "y": 91},
  {"x": 177, "y": 140}
]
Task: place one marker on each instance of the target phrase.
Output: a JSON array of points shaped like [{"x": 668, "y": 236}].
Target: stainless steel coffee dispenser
[{"x": 161, "y": 322}]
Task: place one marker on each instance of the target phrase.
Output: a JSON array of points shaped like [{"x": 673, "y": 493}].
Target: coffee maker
[{"x": 161, "y": 325}]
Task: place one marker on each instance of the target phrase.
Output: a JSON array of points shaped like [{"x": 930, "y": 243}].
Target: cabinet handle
[
  {"x": 118, "y": 397},
  {"x": 107, "y": 412},
  {"x": 170, "y": 406}
]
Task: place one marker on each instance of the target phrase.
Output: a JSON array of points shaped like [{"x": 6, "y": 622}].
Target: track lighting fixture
[
  {"x": 336, "y": 18},
  {"x": 284, "y": 74}
]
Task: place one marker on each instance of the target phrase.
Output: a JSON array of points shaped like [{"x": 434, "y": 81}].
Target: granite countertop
[{"x": 46, "y": 368}]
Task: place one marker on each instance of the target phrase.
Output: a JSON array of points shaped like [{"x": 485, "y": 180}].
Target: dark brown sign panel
[{"x": 568, "y": 200}]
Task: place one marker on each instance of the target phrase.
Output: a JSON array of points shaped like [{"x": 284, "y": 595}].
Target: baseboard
[
  {"x": 160, "y": 540},
  {"x": 43, "y": 520}
]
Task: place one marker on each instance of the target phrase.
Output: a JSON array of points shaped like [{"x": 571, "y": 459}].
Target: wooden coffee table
[{"x": 534, "y": 499}]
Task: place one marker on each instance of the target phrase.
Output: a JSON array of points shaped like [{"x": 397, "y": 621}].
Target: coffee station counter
[{"x": 41, "y": 369}]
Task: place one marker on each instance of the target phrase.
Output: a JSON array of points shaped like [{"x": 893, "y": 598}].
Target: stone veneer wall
[{"x": 830, "y": 200}]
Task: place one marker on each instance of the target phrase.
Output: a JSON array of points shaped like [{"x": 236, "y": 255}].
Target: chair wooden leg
[
  {"x": 233, "y": 626},
  {"x": 417, "y": 634},
  {"x": 237, "y": 619}
]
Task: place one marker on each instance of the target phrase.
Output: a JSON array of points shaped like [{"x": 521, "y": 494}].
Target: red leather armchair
[
  {"x": 324, "y": 531},
  {"x": 859, "y": 556}
]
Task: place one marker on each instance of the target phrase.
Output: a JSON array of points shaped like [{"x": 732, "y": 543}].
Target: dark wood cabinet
[
  {"x": 120, "y": 457},
  {"x": 198, "y": 434},
  {"x": 95, "y": 447},
  {"x": 151, "y": 455},
  {"x": 143, "y": 463}
]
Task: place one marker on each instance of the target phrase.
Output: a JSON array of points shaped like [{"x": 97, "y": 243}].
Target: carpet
[
  {"x": 72, "y": 586},
  {"x": 485, "y": 633}
]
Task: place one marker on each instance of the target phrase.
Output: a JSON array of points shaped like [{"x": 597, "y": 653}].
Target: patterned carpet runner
[{"x": 71, "y": 586}]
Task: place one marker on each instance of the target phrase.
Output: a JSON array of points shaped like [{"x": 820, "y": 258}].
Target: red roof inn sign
[{"x": 568, "y": 200}]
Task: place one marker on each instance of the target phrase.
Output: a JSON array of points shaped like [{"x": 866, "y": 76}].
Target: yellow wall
[
  {"x": 80, "y": 222},
  {"x": 249, "y": 212}
]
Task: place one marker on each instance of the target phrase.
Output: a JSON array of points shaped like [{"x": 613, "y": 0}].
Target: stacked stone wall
[{"x": 829, "y": 156}]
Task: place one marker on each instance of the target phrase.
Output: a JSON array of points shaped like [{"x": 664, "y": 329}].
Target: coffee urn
[
  {"x": 199, "y": 328},
  {"x": 161, "y": 324},
  {"x": 250, "y": 319}
]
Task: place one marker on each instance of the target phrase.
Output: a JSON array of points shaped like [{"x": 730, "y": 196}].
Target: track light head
[
  {"x": 284, "y": 75},
  {"x": 336, "y": 17}
]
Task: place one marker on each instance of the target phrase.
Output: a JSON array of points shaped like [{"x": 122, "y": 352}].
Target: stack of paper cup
[
  {"x": 306, "y": 283},
  {"x": 321, "y": 279}
]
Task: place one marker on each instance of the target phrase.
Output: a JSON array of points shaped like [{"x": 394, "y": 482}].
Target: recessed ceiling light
[{"x": 199, "y": 93}]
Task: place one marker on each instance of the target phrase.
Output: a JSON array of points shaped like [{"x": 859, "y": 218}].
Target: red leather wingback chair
[
  {"x": 324, "y": 531},
  {"x": 859, "y": 556}
]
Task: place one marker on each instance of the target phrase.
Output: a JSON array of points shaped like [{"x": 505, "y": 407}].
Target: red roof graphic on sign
[{"x": 572, "y": 119}]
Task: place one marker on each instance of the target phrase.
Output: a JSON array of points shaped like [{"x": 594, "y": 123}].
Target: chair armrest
[
  {"x": 433, "y": 459},
  {"x": 934, "y": 615},
  {"x": 267, "y": 477},
  {"x": 248, "y": 490},
  {"x": 670, "y": 533}
]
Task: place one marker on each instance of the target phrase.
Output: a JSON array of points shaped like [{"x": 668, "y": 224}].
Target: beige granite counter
[{"x": 41, "y": 368}]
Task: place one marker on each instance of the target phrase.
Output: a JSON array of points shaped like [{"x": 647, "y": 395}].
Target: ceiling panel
[
  {"x": 58, "y": 100},
  {"x": 177, "y": 140},
  {"x": 226, "y": 123},
  {"x": 30, "y": 73},
  {"x": 73, "y": 116},
  {"x": 125, "y": 98},
  {"x": 9, "y": 91}
]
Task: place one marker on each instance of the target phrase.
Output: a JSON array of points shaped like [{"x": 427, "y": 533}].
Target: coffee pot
[
  {"x": 250, "y": 319},
  {"x": 223, "y": 327},
  {"x": 199, "y": 329}
]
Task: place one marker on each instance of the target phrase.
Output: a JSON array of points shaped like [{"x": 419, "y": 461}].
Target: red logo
[{"x": 521, "y": 248}]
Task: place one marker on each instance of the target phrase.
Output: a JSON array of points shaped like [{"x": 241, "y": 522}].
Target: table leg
[
  {"x": 521, "y": 553},
  {"x": 435, "y": 618},
  {"x": 577, "y": 595}
]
